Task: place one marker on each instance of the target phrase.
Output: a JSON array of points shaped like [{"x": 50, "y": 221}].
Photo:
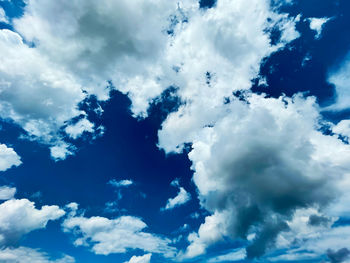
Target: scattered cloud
[
  {"x": 8, "y": 158},
  {"x": 19, "y": 217},
  {"x": 3, "y": 17},
  {"x": 235, "y": 255},
  {"x": 122, "y": 183},
  {"x": 182, "y": 197},
  {"x": 76, "y": 130},
  {"x": 107, "y": 236},
  {"x": 140, "y": 259},
  {"x": 7, "y": 192},
  {"x": 317, "y": 25},
  {"x": 25, "y": 254}
]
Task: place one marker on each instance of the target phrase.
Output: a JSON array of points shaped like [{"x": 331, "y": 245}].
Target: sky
[{"x": 160, "y": 131}]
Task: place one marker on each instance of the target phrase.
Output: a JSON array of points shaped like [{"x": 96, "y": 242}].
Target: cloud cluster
[{"x": 258, "y": 165}]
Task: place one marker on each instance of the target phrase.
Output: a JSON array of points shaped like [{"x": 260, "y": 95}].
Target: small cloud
[
  {"x": 3, "y": 17},
  {"x": 8, "y": 158},
  {"x": 140, "y": 259},
  {"x": 76, "y": 130},
  {"x": 235, "y": 255},
  {"x": 182, "y": 197},
  {"x": 7, "y": 192},
  {"x": 317, "y": 25},
  {"x": 122, "y": 183},
  {"x": 61, "y": 151}
]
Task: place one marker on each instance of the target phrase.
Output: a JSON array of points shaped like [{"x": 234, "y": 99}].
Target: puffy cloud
[
  {"x": 342, "y": 128},
  {"x": 338, "y": 256},
  {"x": 61, "y": 150},
  {"x": 140, "y": 259},
  {"x": 215, "y": 53},
  {"x": 19, "y": 217},
  {"x": 76, "y": 130},
  {"x": 45, "y": 74},
  {"x": 122, "y": 183},
  {"x": 258, "y": 164},
  {"x": 7, "y": 192},
  {"x": 8, "y": 158},
  {"x": 182, "y": 197},
  {"x": 24, "y": 255},
  {"x": 317, "y": 25},
  {"x": 107, "y": 236}
]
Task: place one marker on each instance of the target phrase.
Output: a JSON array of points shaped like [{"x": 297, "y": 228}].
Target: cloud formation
[
  {"x": 119, "y": 235},
  {"x": 140, "y": 259},
  {"x": 7, "y": 192},
  {"x": 8, "y": 158},
  {"x": 25, "y": 255},
  {"x": 19, "y": 217},
  {"x": 181, "y": 198}
]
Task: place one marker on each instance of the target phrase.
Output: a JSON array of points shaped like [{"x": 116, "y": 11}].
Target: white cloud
[
  {"x": 258, "y": 164},
  {"x": 3, "y": 17},
  {"x": 19, "y": 217},
  {"x": 140, "y": 259},
  {"x": 76, "y": 130},
  {"x": 61, "y": 150},
  {"x": 317, "y": 25},
  {"x": 182, "y": 197},
  {"x": 235, "y": 255},
  {"x": 8, "y": 158},
  {"x": 25, "y": 255},
  {"x": 341, "y": 79},
  {"x": 122, "y": 183},
  {"x": 107, "y": 236},
  {"x": 7, "y": 192}
]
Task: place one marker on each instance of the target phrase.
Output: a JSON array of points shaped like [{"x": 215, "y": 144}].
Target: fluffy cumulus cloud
[
  {"x": 19, "y": 217},
  {"x": 107, "y": 236},
  {"x": 8, "y": 158},
  {"x": 181, "y": 198},
  {"x": 140, "y": 259},
  {"x": 7, "y": 192},
  {"x": 258, "y": 165},
  {"x": 24, "y": 255},
  {"x": 47, "y": 68}
]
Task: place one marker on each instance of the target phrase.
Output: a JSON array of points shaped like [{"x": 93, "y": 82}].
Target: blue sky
[{"x": 174, "y": 131}]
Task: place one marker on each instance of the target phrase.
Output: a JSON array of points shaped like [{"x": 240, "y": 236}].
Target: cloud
[
  {"x": 338, "y": 256},
  {"x": 7, "y": 192},
  {"x": 8, "y": 158},
  {"x": 140, "y": 259},
  {"x": 48, "y": 68},
  {"x": 24, "y": 255},
  {"x": 19, "y": 217},
  {"x": 257, "y": 165},
  {"x": 61, "y": 150},
  {"x": 107, "y": 236},
  {"x": 340, "y": 78},
  {"x": 317, "y": 25},
  {"x": 3, "y": 17},
  {"x": 122, "y": 183},
  {"x": 235, "y": 255},
  {"x": 76, "y": 130},
  {"x": 182, "y": 197}
]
